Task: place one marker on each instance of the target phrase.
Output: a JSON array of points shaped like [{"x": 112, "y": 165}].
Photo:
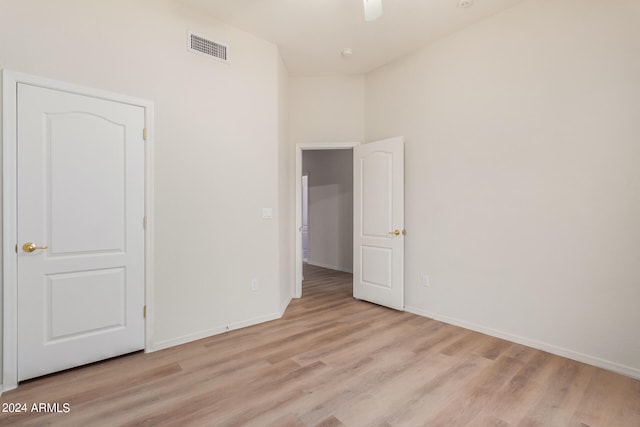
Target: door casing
[{"x": 10, "y": 80}]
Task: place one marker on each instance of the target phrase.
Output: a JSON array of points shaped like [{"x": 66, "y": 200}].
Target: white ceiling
[{"x": 311, "y": 34}]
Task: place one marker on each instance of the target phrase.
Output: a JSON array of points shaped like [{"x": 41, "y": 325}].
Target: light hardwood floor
[{"x": 333, "y": 361}]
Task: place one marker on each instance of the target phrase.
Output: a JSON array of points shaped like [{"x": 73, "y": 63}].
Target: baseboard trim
[
  {"x": 330, "y": 267},
  {"x": 540, "y": 345},
  {"x": 211, "y": 332}
]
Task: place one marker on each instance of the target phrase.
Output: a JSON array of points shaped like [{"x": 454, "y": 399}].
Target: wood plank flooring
[{"x": 335, "y": 361}]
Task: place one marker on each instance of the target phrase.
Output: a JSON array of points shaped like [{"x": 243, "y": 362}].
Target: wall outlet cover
[{"x": 425, "y": 280}]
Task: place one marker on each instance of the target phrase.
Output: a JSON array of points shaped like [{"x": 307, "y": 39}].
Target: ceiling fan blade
[{"x": 372, "y": 9}]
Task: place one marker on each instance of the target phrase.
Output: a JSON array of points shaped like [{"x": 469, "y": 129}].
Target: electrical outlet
[
  {"x": 254, "y": 285},
  {"x": 425, "y": 281}
]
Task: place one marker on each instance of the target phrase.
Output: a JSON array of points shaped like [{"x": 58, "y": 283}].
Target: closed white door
[
  {"x": 80, "y": 184},
  {"x": 378, "y": 224}
]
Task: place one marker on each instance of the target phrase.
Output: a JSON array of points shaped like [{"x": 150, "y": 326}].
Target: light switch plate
[{"x": 267, "y": 213}]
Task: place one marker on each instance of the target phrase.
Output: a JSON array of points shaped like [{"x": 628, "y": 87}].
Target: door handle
[
  {"x": 398, "y": 232},
  {"x": 31, "y": 247}
]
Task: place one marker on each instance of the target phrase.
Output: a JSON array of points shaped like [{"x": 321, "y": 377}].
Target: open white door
[
  {"x": 378, "y": 223},
  {"x": 80, "y": 255}
]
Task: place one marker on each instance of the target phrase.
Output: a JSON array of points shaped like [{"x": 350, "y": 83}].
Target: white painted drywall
[
  {"x": 522, "y": 179},
  {"x": 327, "y": 109},
  {"x": 330, "y": 207},
  {"x": 217, "y": 145},
  {"x": 286, "y": 166}
]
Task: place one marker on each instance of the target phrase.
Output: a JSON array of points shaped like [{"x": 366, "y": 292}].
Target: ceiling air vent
[{"x": 208, "y": 47}]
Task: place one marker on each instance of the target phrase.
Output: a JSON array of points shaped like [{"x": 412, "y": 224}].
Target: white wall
[
  {"x": 217, "y": 149},
  {"x": 286, "y": 192},
  {"x": 330, "y": 207},
  {"x": 522, "y": 178},
  {"x": 327, "y": 109}
]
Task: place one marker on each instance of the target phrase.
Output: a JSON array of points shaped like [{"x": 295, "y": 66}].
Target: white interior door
[
  {"x": 378, "y": 223},
  {"x": 80, "y": 186}
]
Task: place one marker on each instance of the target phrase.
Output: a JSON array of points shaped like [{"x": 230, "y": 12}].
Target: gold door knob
[
  {"x": 31, "y": 247},
  {"x": 398, "y": 232}
]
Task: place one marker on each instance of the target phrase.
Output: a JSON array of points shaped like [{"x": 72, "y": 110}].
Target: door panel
[
  {"x": 96, "y": 224},
  {"x": 376, "y": 193},
  {"x": 377, "y": 266},
  {"x": 103, "y": 294},
  {"x": 378, "y": 211},
  {"x": 81, "y": 199}
]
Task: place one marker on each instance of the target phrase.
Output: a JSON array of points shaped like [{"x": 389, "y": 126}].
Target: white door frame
[
  {"x": 298, "y": 179},
  {"x": 10, "y": 80}
]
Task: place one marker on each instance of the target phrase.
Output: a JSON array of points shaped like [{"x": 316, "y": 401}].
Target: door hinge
[
  {"x": 144, "y": 311},
  {"x": 144, "y": 134},
  {"x": 144, "y": 222}
]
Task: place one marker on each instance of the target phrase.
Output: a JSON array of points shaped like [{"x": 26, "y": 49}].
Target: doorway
[
  {"x": 330, "y": 209},
  {"x": 323, "y": 247}
]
